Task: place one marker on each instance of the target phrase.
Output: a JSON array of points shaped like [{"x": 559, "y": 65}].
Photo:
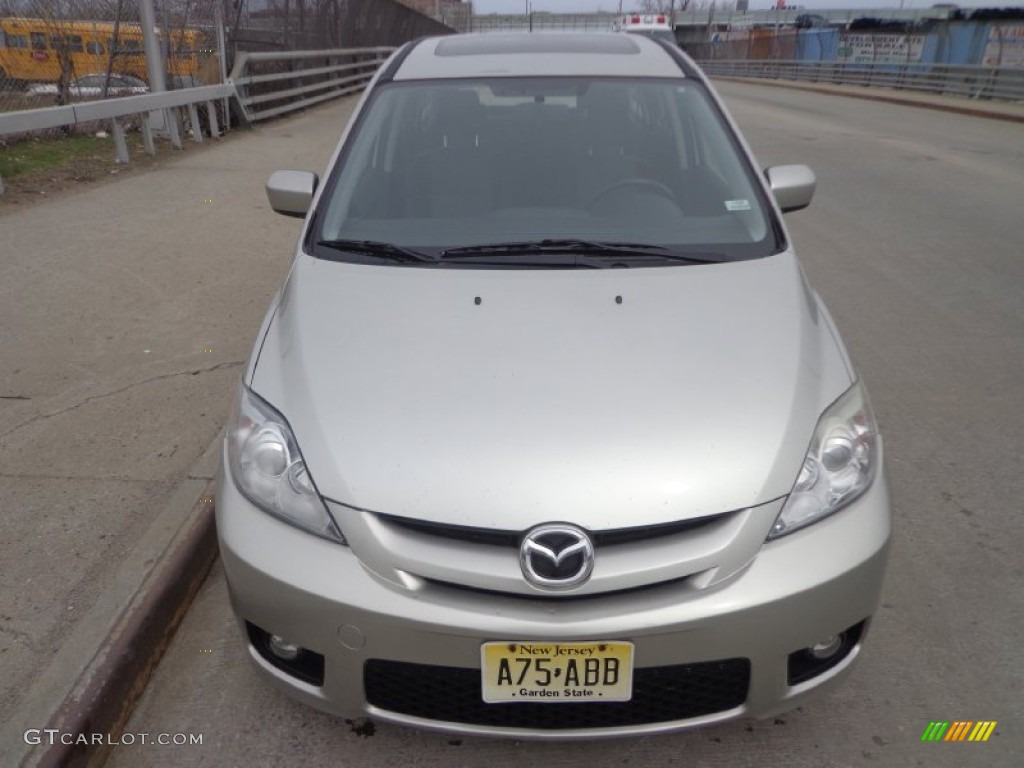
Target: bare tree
[
  {"x": 661, "y": 6},
  {"x": 667, "y": 6}
]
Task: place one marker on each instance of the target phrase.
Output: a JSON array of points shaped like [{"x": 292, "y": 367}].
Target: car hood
[{"x": 506, "y": 398}]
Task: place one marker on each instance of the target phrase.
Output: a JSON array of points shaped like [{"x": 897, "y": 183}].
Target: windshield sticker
[{"x": 737, "y": 205}]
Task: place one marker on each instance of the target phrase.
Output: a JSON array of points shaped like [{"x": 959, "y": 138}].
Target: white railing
[
  {"x": 270, "y": 84},
  {"x": 975, "y": 82},
  {"x": 27, "y": 120}
]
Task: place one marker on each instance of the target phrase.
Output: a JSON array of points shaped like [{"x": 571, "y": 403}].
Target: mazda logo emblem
[{"x": 556, "y": 556}]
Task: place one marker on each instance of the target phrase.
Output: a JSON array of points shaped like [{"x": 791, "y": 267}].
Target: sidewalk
[
  {"x": 994, "y": 110},
  {"x": 126, "y": 314}
]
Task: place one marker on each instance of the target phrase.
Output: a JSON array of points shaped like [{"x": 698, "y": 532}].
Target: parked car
[
  {"x": 178, "y": 82},
  {"x": 545, "y": 434},
  {"x": 91, "y": 87}
]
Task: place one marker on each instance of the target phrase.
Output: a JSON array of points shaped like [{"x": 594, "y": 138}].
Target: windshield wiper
[
  {"x": 548, "y": 246},
  {"x": 588, "y": 247},
  {"x": 527, "y": 260},
  {"x": 381, "y": 250}
]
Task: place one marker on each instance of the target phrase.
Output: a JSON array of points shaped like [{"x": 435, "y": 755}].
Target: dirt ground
[{"x": 89, "y": 170}]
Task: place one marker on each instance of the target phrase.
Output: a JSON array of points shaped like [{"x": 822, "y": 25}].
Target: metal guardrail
[
  {"x": 975, "y": 82},
  {"x": 270, "y": 84},
  {"x": 703, "y": 17},
  {"x": 261, "y": 85},
  {"x": 27, "y": 120},
  {"x": 163, "y": 105},
  {"x": 788, "y": 16}
]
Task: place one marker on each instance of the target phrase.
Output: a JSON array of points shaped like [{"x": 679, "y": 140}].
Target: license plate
[{"x": 556, "y": 672}]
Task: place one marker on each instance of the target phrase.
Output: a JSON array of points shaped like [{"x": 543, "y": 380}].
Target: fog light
[
  {"x": 813, "y": 660},
  {"x": 299, "y": 662},
  {"x": 285, "y": 650},
  {"x": 827, "y": 648}
]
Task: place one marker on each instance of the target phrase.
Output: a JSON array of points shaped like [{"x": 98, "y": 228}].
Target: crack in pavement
[
  {"x": 90, "y": 398},
  {"x": 81, "y": 478}
]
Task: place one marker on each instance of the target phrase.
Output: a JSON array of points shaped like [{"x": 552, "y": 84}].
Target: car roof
[{"x": 535, "y": 54}]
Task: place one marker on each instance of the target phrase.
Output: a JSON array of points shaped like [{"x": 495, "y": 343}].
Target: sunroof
[{"x": 497, "y": 44}]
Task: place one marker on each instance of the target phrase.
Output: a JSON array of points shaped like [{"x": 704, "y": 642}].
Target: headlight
[
  {"x": 839, "y": 466},
  {"x": 268, "y": 468}
]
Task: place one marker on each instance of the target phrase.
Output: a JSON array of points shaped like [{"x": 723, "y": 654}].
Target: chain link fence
[
  {"x": 55, "y": 52},
  {"x": 813, "y": 45},
  {"x": 975, "y": 58},
  {"x": 748, "y": 45},
  {"x": 985, "y": 39},
  {"x": 294, "y": 48},
  {"x": 538, "y": 21},
  {"x": 298, "y": 25},
  {"x": 65, "y": 52}
]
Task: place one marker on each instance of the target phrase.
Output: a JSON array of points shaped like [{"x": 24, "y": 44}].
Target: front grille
[
  {"x": 560, "y": 596},
  {"x": 660, "y": 694},
  {"x": 502, "y": 538}
]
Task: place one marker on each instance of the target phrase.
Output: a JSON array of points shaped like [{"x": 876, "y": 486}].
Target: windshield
[{"x": 439, "y": 165}]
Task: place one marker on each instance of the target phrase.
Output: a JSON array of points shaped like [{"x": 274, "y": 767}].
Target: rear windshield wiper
[
  {"x": 589, "y": 247},
  {"x": 388, "y": 251}
]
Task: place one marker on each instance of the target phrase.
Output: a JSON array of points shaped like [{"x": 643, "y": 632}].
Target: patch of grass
[{"x": 46, "y": 154}]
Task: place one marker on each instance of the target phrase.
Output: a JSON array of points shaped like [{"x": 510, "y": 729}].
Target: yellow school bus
[{"x": 31, "y": 50}]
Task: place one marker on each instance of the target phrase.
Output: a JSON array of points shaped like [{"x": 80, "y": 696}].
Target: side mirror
[
  {"x": 792, "y": 185},
  {"x": 291, "y": 192}
]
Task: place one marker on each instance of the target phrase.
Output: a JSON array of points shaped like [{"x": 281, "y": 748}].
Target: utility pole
[
  {"x": 161, "y": 119},
  {"x": 154, "y": 62}
]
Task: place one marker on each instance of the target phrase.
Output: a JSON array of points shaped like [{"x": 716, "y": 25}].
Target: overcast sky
[{"x": 589, "y": 6}]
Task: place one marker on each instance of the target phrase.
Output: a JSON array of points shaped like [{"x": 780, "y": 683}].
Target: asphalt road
[{"x": 915, "y": 241}]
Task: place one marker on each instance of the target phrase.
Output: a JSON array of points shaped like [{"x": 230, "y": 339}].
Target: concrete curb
[
  {"x": 99, "y": 674},
  {"x": 880, "y": 94},
  {"x": 106, "y": 694}
]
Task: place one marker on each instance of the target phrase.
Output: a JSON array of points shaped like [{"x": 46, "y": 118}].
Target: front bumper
[{"x": 803, "y": 588}]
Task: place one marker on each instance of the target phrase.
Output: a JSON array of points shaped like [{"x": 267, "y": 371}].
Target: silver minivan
[{"x": 546, "y": 435}]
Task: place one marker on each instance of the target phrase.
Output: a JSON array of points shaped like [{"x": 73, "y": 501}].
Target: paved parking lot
[{"x": 915, "y": 242}]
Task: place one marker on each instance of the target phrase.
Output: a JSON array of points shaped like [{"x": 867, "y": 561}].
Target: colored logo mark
[{"x": 959, "y": 730}]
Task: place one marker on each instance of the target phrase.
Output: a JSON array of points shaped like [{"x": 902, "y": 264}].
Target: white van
[{"x": 654, "y": 25}]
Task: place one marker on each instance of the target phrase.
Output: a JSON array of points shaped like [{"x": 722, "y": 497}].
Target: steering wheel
[{"x": 650, "y": 185}]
